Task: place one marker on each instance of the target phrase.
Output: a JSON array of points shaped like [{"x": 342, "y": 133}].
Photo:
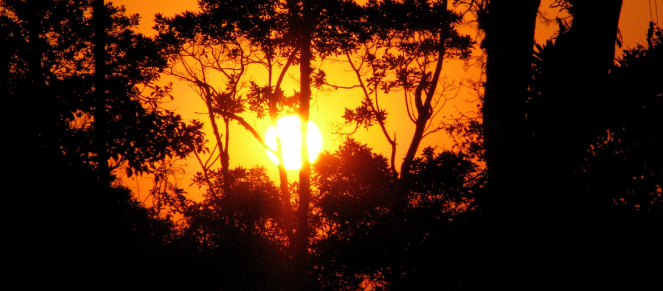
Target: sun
[{"x": 291, "y": 139}]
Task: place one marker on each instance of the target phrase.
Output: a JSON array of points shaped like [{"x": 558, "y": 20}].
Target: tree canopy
[{"x": 559, "y": 172}]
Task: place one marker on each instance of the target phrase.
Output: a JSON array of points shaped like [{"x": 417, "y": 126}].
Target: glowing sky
[{"x": 327, "y": 107}]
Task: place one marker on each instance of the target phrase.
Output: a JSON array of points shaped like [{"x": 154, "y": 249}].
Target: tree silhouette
[
  {"x": 334, "y": 28},
  {"x": 227, "y": 48},
  {"x": 140, "y": 132},
  {"x": 537, "y": 147},
  {"x": 65, "y": 218},
  {"x": 235, "y": 233},
  {"x": 403, "y": 49},
  {"x": 629, "y": 148},
  {"x": 272, "y": 34},
  {"x": 622, "y": 173},
  {"x": 535, "y": 192},
  {"x": 374, "y": 231},
  {"x": 509, "y": 37},
  {"x": 100, "y": 113}
]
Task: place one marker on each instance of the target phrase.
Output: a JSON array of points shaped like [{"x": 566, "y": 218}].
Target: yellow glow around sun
[{"x": 291, "y": 139}]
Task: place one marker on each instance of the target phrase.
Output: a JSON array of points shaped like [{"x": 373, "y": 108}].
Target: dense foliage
[{"x": 432, "y": 225}]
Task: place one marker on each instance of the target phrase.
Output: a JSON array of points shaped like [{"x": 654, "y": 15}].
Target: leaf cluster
[
  {"x": 263, "y": 100},
  {"x": 251, "y": 206},
  {"x": 378, "y": 229},
  {"x": 419, "y": 28},
  {"x": 140, "y": 131},
  {"x": 625, "y": 165},
  {"x": 364, "y": 115},
  {"x": 406, "y": 41}
]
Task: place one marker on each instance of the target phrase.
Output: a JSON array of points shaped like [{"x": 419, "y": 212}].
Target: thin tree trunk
[
  {"x": 100, "y": 114},
  {"x": 223, "y": 154},
  {"x": 283, "y": 174},
  {"x": 37, "y": 80},
  {"x": 303, "y": 229},
  {"x": 424, "y": 109},
  {"x": 391, "y": 141}
]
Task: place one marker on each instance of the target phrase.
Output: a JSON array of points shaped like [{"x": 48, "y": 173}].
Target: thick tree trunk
[
  {"x": 509, "y": 40},
  {"x": 585, "y": 57},
  {"x": 509, "y": 28},
  {"x": 572, "y": 117},
  {"x": 578, "y": 74},
  {"x": 538, "y": 217}
]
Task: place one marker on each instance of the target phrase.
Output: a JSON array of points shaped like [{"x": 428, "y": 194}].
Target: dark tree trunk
[
  {"x": 37, "y": 81},
  {"x": 100, "y": 114},
  {"x": 542, "y": 230},
  {"x": 424, "y": 108},
  {"x": 578, "y": 75},
  {"x": 509, "y": 28},
  {"x": 224, "y": 159},
  {"x": 509, "y": 40},
  {"x": 572, "y": 116},
  {"x": 303, "y": 229}
]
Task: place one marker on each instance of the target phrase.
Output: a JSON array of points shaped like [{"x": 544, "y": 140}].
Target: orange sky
[{"x": 327, "y": 108}]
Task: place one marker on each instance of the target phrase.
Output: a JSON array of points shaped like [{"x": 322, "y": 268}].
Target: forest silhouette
[{"x": 555, "y": 184}]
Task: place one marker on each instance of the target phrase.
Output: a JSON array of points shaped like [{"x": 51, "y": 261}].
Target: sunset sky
[
  {"x": 552, "y": 174},
  {"x": 327, "y": 107}
]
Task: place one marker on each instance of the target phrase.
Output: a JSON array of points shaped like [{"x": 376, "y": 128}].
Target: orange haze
[{"x": 327, "y": 107}]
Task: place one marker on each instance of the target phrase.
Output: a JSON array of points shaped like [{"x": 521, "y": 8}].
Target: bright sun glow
[{"x": 288, "y": 131}]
